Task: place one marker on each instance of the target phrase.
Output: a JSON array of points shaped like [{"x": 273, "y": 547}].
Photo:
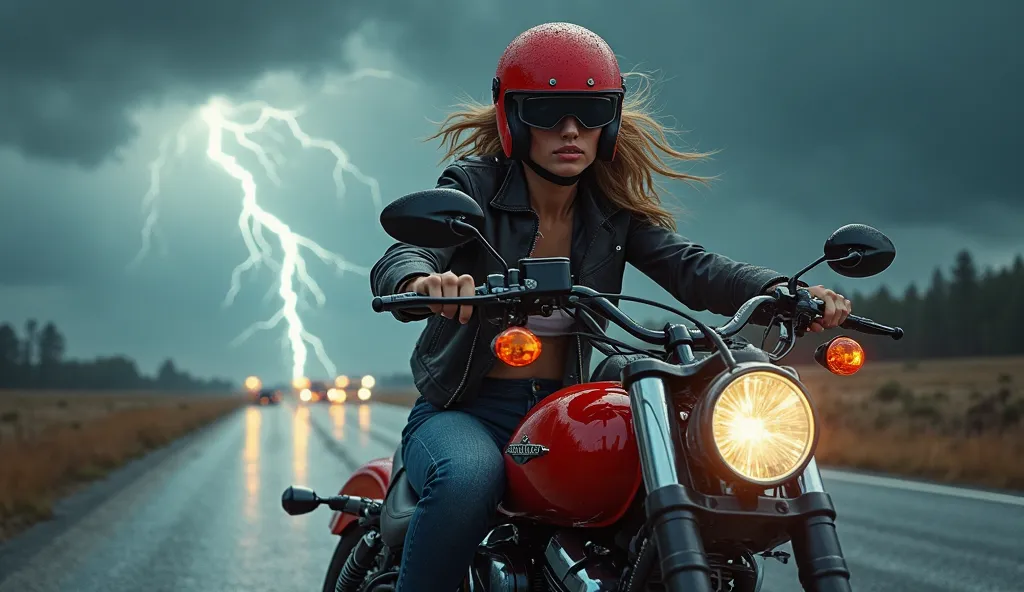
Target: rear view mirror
[
  {"x": 425, "y": 218},
  {"x": 859, "y": 251}
]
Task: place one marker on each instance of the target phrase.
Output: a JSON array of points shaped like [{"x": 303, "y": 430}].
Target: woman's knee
[
  {"x": 454, "y": 459},
  {"x": 474, "y": 475}
]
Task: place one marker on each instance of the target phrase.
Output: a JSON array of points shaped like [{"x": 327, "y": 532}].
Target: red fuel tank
[{"x": 573, "y": 459}]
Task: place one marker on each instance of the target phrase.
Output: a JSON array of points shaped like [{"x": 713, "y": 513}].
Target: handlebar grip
[
  {"x": 862, "y": 324},
  {"x": 865, "y": 325},
  {"x": 408, "y": 300},
  {"x": 388, "y": 303}
]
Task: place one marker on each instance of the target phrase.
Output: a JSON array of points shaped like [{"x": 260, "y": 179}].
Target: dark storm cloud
[
  {"x": 71, "y": 75},
  {"x": 909, "y": 110}
]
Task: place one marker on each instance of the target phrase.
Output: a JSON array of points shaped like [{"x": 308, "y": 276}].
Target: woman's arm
[
  {"x": 697, "y": 278},
  {"x": 403, "y": 262}
]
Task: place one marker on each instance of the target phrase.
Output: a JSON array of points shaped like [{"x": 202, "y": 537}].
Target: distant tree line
[
  {"x": 36, "y": 361},
  {"x": 966, "y": 312}
]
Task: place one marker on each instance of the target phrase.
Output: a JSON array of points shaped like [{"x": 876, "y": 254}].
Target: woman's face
[{"x": 566, "y": 149}]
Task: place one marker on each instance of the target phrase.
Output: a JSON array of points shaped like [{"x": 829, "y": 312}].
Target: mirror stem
[
  {"x": 852, "y": 259},
  {"x": 792, "y": 280},
  {"x": 469, "y": 229}
]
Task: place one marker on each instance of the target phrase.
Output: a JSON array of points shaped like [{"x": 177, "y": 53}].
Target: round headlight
[{"x": 760, "y": 424}]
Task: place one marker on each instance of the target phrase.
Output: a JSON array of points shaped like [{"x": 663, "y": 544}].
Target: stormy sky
[{"x": 902, "y": 115}]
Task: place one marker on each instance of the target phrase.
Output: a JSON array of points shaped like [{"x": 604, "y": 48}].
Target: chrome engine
[
  {"x": 570, "y": 564},
  {"x": 501, "y": 564},
  {"x": 574, "y": 564}
]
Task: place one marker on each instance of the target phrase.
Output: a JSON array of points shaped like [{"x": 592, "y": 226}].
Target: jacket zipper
[
  {"x": 476, "y": 336},
  {"x": 465, "y": 374},
  {"x": 536, "y": 232}
]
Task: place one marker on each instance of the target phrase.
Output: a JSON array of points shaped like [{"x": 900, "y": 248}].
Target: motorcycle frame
[{"x": 675, "y": 509}]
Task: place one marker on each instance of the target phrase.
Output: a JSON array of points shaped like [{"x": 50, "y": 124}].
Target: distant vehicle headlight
[
  {"x": 306, "y": 394},
  {"x": 756, "y": 423},
  {"x": 363, "y": 394},
  {"x": 368, "y": 381}
]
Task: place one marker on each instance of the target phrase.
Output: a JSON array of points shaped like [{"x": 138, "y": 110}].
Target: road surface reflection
[
  {"x": 251, "y": 456},
  {"x": 364, "y": 425},
  {"x": 338, "y": 419},
  {"x": 300, "y": 444}
]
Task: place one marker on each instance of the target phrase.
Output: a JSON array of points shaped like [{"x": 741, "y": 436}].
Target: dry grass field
[
  {"x": 959, "y": 421},
  {"x": 51, "y": 442}
]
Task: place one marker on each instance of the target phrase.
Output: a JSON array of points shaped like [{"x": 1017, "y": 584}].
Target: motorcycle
[{"x": 679, "y": 467}]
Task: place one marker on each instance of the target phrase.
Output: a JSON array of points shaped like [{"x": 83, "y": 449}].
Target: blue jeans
[{"x": 454, "y": 461}]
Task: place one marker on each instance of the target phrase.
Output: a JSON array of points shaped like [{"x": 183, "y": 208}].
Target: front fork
[
  {"x": 819, "y": 557},
  {"x": 672, "y": 513}
]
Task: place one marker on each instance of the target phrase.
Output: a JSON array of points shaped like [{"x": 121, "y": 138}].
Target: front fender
[{"x": 371, "y": 481}]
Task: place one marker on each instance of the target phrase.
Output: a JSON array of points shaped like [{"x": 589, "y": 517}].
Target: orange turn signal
[
  {"x": 842, "y": 356},
  {"x": 517, "y": 346}
]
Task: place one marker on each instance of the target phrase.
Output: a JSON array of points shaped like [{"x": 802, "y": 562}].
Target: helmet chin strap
[{"x": 549, "y": 176}]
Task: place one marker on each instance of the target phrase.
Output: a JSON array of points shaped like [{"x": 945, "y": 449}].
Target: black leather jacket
[{"x": 450, "y": 360}]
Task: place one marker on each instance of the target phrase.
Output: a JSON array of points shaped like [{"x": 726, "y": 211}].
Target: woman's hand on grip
[
  {"x": 835, "y": 310},
  {"x": 445, "y": 285}
]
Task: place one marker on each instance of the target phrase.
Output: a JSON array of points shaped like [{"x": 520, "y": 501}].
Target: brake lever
[{"x": 787, "y": 340}]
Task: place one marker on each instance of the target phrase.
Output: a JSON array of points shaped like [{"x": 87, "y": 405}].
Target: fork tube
[
  {"x": 811, "y": 478},
  {"x": 816, "y": 547},
  {"x": 670, "y": 513}
]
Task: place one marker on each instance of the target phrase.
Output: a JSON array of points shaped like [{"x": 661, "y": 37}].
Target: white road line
[{"x": 892, "y": 483}]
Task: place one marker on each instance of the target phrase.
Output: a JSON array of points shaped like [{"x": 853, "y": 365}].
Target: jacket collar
[{"x": 513, "y": 196}]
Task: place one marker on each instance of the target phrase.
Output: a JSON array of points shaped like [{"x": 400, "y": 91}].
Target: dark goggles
[{"x": 546, "y": 111}]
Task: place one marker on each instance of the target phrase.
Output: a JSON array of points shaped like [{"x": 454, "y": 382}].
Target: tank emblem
[{"x": 525, "y": 451}]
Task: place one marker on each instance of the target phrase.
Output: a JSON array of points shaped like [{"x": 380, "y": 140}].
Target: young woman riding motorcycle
[{"x": 562, "y": 164}]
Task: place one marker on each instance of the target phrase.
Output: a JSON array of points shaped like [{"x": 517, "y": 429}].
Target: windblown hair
[{"x": 628, "y": 181}]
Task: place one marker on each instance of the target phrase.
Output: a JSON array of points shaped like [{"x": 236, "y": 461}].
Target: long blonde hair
[{"x": 628, "y": 181}]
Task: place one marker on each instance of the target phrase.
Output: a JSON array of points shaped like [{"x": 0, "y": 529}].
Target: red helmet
[{"x": 549, "y": 72}]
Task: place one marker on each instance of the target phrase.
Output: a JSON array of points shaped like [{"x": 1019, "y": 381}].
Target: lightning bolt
[{"x": 293, "y": 277}]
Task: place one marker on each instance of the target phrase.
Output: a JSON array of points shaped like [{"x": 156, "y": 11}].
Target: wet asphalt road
[{"x": 206, "y": 516}]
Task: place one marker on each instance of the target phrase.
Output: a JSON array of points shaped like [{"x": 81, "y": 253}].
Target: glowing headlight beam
[
  {"x": 763, "y": 426},
  {"x": 293, "y": 276}
]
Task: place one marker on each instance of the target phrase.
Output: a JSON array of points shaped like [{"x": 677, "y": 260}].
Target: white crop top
[{"x": 557, "y": 324}]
